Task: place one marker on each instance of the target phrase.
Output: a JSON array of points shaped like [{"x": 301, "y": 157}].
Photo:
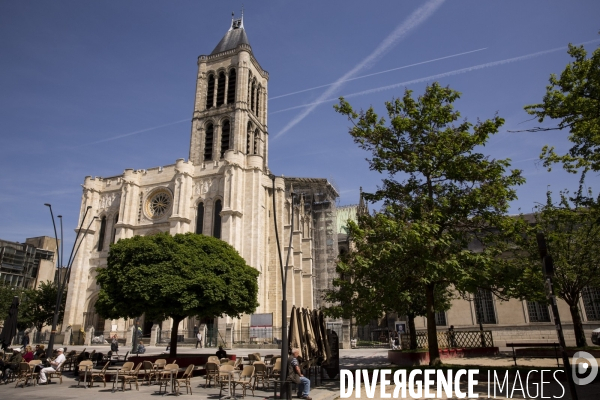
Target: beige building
[
  {"x": 513, "y": 320},
  {"x": 225, "y": 189}
]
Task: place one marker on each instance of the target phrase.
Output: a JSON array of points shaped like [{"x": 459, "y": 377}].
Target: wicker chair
[
  {"x": 100, "y": 374},
  {"x": 245, "y": 380},
  {"x": 57, "y": 373},
  {"x": 85, "y": 366},
  {"x": 225, "y": 377},
  {"x": 213, "y": 359},
  {"x": 150, "y": 372},
  {"x": 260, "y": 374},
  {"x": 132, "y": 376},
  {"x": 185, "y": 380},
  {"x": 212, "y": 373},
  {"x": 23, "y": 374},
  {"x": 277, "y": 369},
  {"x": 165, "y": 376}
]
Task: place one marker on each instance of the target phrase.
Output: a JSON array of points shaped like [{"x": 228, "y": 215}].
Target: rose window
[{"x": 158, "y": 205}]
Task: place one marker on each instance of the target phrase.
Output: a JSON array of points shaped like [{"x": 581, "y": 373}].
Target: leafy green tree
[
  {"x": 7, "y": 293},
  {"x": 574, "y": 100},
  {"x": 38, "y": 305},
  {"x": 380, "y": 275},
  {"x": 175, "y": 277},
  {"x": 572, "y": 231},
  {"x": 447, "y": 194}
]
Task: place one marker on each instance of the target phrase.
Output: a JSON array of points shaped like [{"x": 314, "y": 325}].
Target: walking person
[
  {"x": 451, "y": 337},
  {"x": 114, "y": 345},
  {"x": 199, "y": 339},
  {"x": 25, "y": 340}
]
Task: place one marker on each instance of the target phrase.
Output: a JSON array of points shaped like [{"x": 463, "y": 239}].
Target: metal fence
[
  {"x": 254, "y": 335},
  {"x": 459, "y": 339}
]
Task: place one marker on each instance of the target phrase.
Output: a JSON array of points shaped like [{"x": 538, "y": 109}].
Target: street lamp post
[
  {"x": 548, "y": 270},
  {"x": 61, "y": 283},
  {"x": 284, "y": 339}
]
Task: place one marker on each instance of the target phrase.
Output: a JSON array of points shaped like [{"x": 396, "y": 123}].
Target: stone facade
[{"x": 225, "y": 190}]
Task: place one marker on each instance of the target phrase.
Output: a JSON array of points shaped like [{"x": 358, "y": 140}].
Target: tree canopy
[
  {"x": 175, "y": 277},
  {"x": 381, "y": 275},
  {"x": 574, "y": 100},
  {"x": 443, "y": 193},
  {"x": 38, "y": 305}
]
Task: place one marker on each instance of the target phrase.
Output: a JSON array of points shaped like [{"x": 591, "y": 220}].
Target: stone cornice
[{"x": 231, "y": 212}]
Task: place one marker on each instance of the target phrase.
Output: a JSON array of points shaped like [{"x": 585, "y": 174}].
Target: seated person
[
  {"x": 12, "y": 364},
  {"x": 141, "y": 348},
  {"x": 221, "y": 353},
  {"x": 28, "y": 356},
  {"x": 40, "y": 352},
  {"x": 295, "y": 375},
  {"x": 54, "y": 366}
]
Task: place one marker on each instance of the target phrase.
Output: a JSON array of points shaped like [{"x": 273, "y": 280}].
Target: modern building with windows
[
  {"x": 28, "y": 264},
  {"x": 225, "y": 189}
]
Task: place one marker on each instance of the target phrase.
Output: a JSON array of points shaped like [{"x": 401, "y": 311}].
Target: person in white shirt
[
  {"x": 199, "y": 339},
  {"x": 54, "y": 365}
]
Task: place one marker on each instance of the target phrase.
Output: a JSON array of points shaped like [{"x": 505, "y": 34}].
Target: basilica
[{"x": 224, "y": 189}]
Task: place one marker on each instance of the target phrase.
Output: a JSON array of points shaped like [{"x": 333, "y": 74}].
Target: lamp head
[
  {"x": 59, "y": 216},
  {"x": 47, "y": 205},
  {"x": 88, "y": 207}
]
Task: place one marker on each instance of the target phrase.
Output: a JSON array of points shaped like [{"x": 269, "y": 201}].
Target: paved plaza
[{"x": 349, "y": 359}]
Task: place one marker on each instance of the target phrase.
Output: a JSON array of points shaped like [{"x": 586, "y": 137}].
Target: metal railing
[{"x": 456, "y": 339}]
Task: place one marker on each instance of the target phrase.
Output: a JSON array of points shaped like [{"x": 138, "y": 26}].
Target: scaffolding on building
[{"x": 319, "y": 198}]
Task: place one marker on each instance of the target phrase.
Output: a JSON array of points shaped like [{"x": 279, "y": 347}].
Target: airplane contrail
[
  {"x": 380, "y": 72},
  {"x": 413, "y": 21},
  {"x": 134, "y": 133},
  {"x": 437, "y": 76}
]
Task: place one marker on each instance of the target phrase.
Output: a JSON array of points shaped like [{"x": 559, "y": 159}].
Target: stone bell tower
[{"x": 230, "y": 110}]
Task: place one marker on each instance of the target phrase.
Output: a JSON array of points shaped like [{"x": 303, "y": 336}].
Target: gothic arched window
[
  {"x": 249, "y": 139},
  {"x": 200, "y": 218},
  {"x": 256, "y": 141},
  {"x": 208, "y": 142},
  {"x": 225, "y": 134},
  {"x": 221, "y": 89},
  {"x": 114, "y": 232},
  {"x": 252, "y": 93},
  {"x": 102, "y": 234},
  {"x": 258, "y": 100},
  {"x": 231, "y": 87},
  {"x": 210, "y": 91},
  {"x": 217, "y": 219}
]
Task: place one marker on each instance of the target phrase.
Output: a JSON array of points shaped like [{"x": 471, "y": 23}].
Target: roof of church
[{"x": 235, "y": 36}]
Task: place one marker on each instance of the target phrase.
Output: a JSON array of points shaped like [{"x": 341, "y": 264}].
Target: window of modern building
[
  {"x": 221, "y": 89},
  {"x": 591, "y": 303},
  {"x": 231, "y": 87},
  {"x": 102, "y": 233},
  {"x": 200, "y": 218},
  {"x": 538, "y": 312},
  {"x": 440, "y": 318},
  {"x": 208, "y": 142},
  {"x": 217, "y": 219},
  {"x": 225, "y": 137},
  {"x": 484, "y": 307},
  {"x": 210, "y": 91}
]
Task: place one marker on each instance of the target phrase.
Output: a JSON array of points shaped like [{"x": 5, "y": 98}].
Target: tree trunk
[
  {"x": 434, "y": 351},
  {"x": 174, "y": 330},
  {"x": 577, "y": 326},
  {"x": 413, "y": 332}
]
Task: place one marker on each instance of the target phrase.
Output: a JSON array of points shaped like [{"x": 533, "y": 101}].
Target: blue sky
[{"x": 92, "y": 88}]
